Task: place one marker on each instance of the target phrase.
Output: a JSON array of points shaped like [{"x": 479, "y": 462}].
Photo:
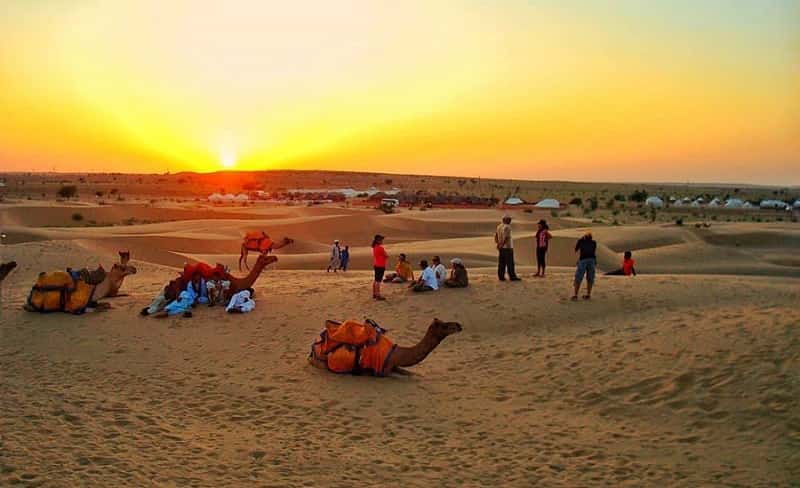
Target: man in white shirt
[
  {"x": 440, "y": 271},
  {"x": 427, "y": 280}
]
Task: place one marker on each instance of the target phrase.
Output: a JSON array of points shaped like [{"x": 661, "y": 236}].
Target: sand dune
[{"x": 678, "y": 377}]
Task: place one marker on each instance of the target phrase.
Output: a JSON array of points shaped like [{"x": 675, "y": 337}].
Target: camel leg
[
  {"x": 243, "y": 257},
  {"x": 403, "y": 372},
  {"x": 317, "y": 363}
]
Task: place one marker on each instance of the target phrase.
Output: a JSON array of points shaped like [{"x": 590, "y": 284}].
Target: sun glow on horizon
[{"x": 658, "y": 91}]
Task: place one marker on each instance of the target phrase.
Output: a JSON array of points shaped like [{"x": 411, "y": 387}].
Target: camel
[
  {"x": 404, "y": 357},
  {"x": 114, "y": 286},
  {"x": 261, "y": 243},
  {"x": 6, "y": 268},
  {"x": 111, "y": 284}
]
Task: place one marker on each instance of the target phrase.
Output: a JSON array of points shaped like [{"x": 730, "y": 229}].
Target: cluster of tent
[
  {"x": 228, "y": 197},
  {"x": 657, "y": 202},
  {"x": 347, "y": 192},
  {"x": 546, "y": 203}
]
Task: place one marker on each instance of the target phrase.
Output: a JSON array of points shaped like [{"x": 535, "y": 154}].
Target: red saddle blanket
[{"x": 353, "y": 347}]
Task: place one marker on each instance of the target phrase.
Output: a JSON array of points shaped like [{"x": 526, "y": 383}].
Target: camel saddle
[
  {"x": 62, "y": 291},
  {"x": 353, "y": 347},
  {"x": 257, "y": 241},
  {"x": 206, "y": 271}
]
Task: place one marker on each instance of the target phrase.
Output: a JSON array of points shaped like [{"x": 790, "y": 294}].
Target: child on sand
[
  {"x": 379, "y": 259},
  {"x": 403, "y": 271},
  {"x": 344, "y": 258},
  {"x": 627, "y": 268}
]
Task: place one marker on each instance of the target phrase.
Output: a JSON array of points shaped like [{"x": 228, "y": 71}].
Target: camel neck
[
  {"x": 409, "y": 356},
  {"x": 239, "y": 284}
]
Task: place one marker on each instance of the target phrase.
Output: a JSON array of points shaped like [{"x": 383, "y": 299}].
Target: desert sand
[{"x": 686, "y": 375}]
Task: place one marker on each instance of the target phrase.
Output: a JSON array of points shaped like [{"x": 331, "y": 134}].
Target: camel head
[
  {"x": 441, "y": 329},
  {"x": 122, "y": 270},
  {"x": 6, "y": 268},
  {"x": 124, "y": 257},
  {"x": 287, "y": 240},
  {"x": 266, "y": 259}
]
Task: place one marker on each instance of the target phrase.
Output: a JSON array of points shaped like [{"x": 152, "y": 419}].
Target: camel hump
[{"x": 352, "y": 347}]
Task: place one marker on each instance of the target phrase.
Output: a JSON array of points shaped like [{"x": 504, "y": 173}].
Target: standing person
[
  {"x": 336, "y": 256},
  {"x": 543, "y": 237},
  {"x": 344, "y": 258},
  {"x": 379, "y": 259},
  {"x": 505, "y": 249},
  {"x": 587, "y": 262},
  {"x": 439, "y": 270}
]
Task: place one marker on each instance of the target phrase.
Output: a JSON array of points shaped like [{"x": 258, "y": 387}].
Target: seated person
[
  {"x": 439, "y": 270},
  {"x": 427, "y": 280},
  {"x": 458, "y": 275},
  {"x": 403, "y": 271},
  {"x": 242, "y": 302},
  {"x": 217, "y": 289},
  {"x": 627, "y": 268}
]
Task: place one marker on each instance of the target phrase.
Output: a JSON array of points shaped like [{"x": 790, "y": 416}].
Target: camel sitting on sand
[
  {"x": 6, "y": 268},
  {"x": 261, "y": 243},
  {"x": 385, "y": 357}
]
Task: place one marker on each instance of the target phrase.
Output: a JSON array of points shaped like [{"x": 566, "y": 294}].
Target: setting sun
[{"x": 227, "y": 160}]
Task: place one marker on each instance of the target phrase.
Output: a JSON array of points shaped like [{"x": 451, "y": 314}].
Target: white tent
[
  {"x": 548, "y": 203},
  {"x": 654, "y": 202},
  {"x": 673, "y": 198},
  {"x": 734, "y": 203},
  {"x": 215, "y": 197},
  {"x": 773, "y": 204},
  {"x": 229, "y": 197},
  {"x": 697, "y": 202},
  {"x": 714, "y": 203},
  {"x": 796, "y": 203},
  {"x": 748, "y": 205},
  {"x": 241, "y": 197},
  {"x": 686, "y": 200},
  {"x": 677, "y": 203},
  {"x": 514, "y": 201}
]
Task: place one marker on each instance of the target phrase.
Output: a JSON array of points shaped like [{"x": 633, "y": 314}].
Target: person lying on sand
[
  {"x": 403, "y": 271},
  {"x": 587, "y": 262},
  {"x": 427, "y": 280},
  {"x": 181, "y": 306},
  {"x": 217, "y": 289},
  {"x": 242, "y": 302},
  {"x": 627, "y": 268},
  {"x": 458, "y": 275}
]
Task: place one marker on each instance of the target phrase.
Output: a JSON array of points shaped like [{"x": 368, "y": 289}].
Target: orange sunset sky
[{"x": 582, "y": 90}]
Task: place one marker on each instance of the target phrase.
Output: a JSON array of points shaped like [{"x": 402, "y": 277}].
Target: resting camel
[
  {"x": 403, "y": 357},
  {"x": 113, "y": 289},
  {"x": 110, "y": 285},
  {"x": 261, "y": 243},
  {"x": 6, "y": 268}
]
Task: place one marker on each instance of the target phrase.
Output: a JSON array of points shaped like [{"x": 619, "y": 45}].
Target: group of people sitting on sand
[
  {"x": 431, "y": 277},
  {"x": 204, "y": 285},
  {"x": 339, "y": 258}
]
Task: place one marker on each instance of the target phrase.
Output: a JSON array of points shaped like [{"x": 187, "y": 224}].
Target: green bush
[
  {"x": 77, "y": 217},
  {"x": 68, "y": 191}
]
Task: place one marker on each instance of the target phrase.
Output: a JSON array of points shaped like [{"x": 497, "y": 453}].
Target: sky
[{"x": 589, "y": 90}]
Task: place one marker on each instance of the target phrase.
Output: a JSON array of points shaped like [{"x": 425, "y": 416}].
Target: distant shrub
[
  {"x": 77, "y": 217},
  {"x": 593, "y": 203},
  {"x": 619, "y": 197},
  {"x": 528, "y": 210},
  {"x": 113, "y": 191},
  {"x": 577, "y": 201},
  {"x": 679, "y": 221},
  {"x": 713, "y": 217},
  {"x": 553, "y": 213},
  {"x": 638, "y": 196},
  {"x": 615, "y": 222},
  {"x": 68, "y": 191}
]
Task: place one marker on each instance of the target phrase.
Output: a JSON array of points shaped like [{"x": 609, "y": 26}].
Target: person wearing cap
[
  {"x": 543, "y": 237},
  {"x": 458, "y": 275},
  {"x": 379, "y": 259},
  {"x": 586, "y": 248},
  {"x": 336, "y": 256},
  {"x": 505, "y": 250},
  {"x": 439, "y": 270}
]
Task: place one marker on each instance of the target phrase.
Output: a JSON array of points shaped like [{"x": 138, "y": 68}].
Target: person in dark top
[
  {"x": 586, "y": 248},
  {"x": 543, "y": 237},
  {"x": 344, "y": 258},
  {"x": 458, "y": 275}
]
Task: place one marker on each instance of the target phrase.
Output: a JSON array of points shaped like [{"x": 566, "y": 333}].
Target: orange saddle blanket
[
  {"x": 353, "y": 347},
  {"x": 257, "y": 241}
]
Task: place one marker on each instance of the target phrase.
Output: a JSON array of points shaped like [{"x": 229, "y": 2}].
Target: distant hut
[
  {"x": 241, "y": 197},
  {"x": 654, "y": 202},
  {"x": 714, "y": 203},
  {"x": 215, "y": 197},
  {"x": 734, "y": 203},
  {"x": 548, "y": 203},
  {"x": 773, "y": 204},
  {"x": 514, "y": 201}
]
